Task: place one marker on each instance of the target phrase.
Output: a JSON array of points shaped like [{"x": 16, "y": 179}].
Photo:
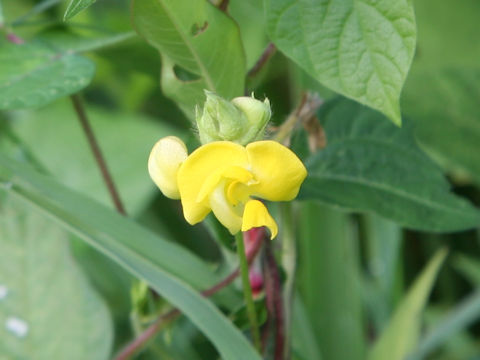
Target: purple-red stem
[
  {"x": 274, "y": 300},
  {"x": 262, "y": 60},
  {"x": 97, "y": 153}
]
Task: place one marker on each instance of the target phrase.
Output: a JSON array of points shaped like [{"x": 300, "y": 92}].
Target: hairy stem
[
  {"x": 247, "y": 290},
  {"x": 97, "y": 153},
  {"x": 154, "y": 328}
]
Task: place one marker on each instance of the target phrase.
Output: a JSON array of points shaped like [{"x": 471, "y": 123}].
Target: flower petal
[
  {"x": 165, "y": 159},
  {"x": 277, "y": 169},
  {"x": 257, "y": 215},
  {"x": 229, "y": 215},
  {"x": 212, "y": 158}
]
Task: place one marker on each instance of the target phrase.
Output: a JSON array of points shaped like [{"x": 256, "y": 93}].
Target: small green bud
[
  {"x": 241, "y": 120},
  {"x": 258, "y": 114}
]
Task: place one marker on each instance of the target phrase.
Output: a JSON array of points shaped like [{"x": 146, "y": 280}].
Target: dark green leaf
[
  {"x": 371, "y": 165},
  {"x": 361, "y": 49}
]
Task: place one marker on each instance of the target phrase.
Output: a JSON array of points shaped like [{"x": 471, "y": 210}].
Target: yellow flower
[{"x": 227, "y": 178}]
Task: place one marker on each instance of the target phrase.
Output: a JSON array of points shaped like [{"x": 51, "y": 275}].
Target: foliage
[{"x": 380, "y": 101}]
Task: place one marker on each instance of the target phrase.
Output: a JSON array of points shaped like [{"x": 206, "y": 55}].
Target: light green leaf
[
  {"x": 169, "y": 269},
  {"x": 33, "y": 74},
  {"x": 186, "y": 93},
  {"x": 457, "y": 319},
  {"x": 371, "y": 165},
  {"x": 403, "y": 330},
  {"x": 75, "y": 7},
  {"x": 359, "y": 48},
  {"x": 197, "y": 37},
  {"x": 328, "y": 275},
  {"x": 47, "y": 308}
]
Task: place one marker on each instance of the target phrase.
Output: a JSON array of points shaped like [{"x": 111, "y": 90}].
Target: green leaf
[
  {"x": 304, "y": 344},
  {"x": 328, "y": 276},
  {"x": 195, "y": 36},
  {"x": 75, "y": 7},
  {"x": 371, "y": 165},
  {"x": 33, "y": 74},
  {"x": 79, "y": 170},
  {"x": 457, "y": 319},
  {"x": 47, "y": 308},
  {"x": 383, "y": 255},
  {"x": 169, "y": 269},
  {"x": 37, "y": 73},
  {"x": 360, "y": 48},
  {"x": 401, "y": 334}
]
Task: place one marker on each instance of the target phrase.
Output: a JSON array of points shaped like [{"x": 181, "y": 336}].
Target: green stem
[{"x": 247, "y": 290}]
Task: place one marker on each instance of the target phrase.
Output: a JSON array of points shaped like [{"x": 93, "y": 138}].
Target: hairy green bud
[{"x": 241, "y": 120}]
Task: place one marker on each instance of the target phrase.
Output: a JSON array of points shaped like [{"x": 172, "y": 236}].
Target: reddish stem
[
  {"x": 97, "y": 153},
  {"x": 274, "y": 301},
  {"x": 262, "y": 60}
]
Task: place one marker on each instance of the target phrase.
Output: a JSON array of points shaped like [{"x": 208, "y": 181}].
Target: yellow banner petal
[{"x": 277, "y": 169}]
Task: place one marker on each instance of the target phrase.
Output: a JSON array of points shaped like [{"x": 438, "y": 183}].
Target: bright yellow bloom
[{"x": 226, "y": 178}]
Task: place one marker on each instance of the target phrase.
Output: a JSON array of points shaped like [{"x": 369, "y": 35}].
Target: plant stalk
[
  {"x": 97, "y": 153},
  {"x": 247, "y": 290}
]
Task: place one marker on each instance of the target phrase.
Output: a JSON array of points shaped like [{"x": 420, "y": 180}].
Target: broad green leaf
[
  {"x": 371, "y": 165},
  {"x": 75, "y": 165},
  {"x": 169, "y": 269},
  {"x": 33, "y": 74},
  {"x": 328, "y": 276},
  {"x": 195, "y": 36},
  {"x": 76, "y": 6},
  {"x": 47, "y": 308},
  {"x": 361, "y": 49},
  {"x": 403, "y": 330},
  {"x": 458, "y": 318}
]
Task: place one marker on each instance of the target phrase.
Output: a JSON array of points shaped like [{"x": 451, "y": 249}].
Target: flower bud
[{"x": 241, "y": 120}]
